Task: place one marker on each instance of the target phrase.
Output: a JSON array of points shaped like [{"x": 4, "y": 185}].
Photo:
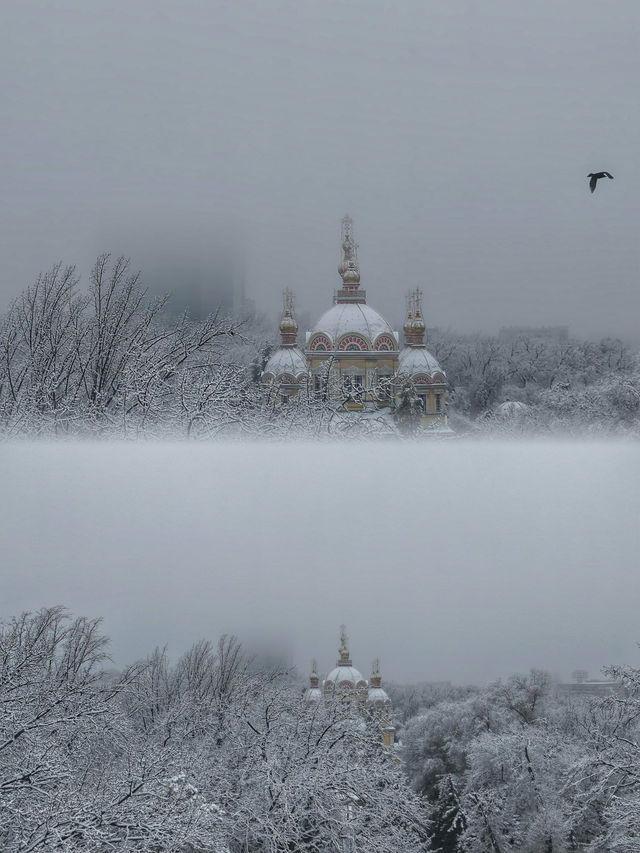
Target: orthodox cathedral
[
  {"x": 346, "y": 684},
  {"x": 353, "y": 357}
]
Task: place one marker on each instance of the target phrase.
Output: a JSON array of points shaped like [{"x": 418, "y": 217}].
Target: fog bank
[{"x": 461, "y": 561}]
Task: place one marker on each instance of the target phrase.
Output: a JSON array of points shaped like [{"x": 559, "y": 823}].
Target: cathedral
[
  {"x": 353, "y": 357},
  {"x": 346, "y": 684}
]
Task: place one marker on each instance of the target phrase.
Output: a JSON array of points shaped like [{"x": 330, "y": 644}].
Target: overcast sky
[
  {"x": 460, "y": 561},
  {"x": 458, "y": 135}
]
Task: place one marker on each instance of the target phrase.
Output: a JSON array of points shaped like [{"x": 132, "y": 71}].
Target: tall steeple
[
  {"x": 343, "y": 651},
  {"x": 348, "y": 266},
  {"x": 288, "y": 325},
  {"x": 313, "y": 678},
  {"x": 376, "y": 679},
  {"x": 414, "y": 327},
  {"x": 313, "y": 692}
]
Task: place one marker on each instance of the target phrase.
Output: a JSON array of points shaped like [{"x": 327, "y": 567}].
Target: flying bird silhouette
[{"x": 595, "y": 177}]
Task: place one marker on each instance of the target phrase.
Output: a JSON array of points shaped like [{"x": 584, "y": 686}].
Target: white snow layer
[
  {"x": 287, "y": 360},
  {"x": 354, "y": 318},
  {"x": 415, "y": 360}
]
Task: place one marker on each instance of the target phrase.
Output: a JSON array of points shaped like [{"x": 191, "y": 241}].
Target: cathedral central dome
[
  {"x": 352, "y": 318},
  {"x": 345, "y": 676}
]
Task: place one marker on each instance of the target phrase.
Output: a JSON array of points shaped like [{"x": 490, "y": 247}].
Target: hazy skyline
[{"x": 458, "y": 136}]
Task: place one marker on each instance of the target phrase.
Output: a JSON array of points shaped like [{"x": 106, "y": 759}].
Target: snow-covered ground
[{"x": 455, "y": 560}]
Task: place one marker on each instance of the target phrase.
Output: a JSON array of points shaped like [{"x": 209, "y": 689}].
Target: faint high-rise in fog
[{"x": 203, "y": 270}]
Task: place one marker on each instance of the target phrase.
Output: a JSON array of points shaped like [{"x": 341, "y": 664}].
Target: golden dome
[
  {"x": 418, "y": 323},
  {"x": 350, "y": 274},
  {"x": 288, "y": 325}
]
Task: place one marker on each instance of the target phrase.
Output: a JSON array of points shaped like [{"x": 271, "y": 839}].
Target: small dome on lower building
[
  {"x": 418, "y": 360},
  {"x": 287, "y": 361},
  {"x": 378, "y": 696}
]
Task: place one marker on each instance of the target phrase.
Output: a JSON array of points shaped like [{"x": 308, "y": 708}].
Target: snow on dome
[
  {"x": 378, "y": 696},
  {"x": 287, "y": 360},
  {"x": 415, "y": 360},
  {"x": 345, "y": 676},
  {"x": 312, "y": 694},
  {"x": 352, "y": 317}
]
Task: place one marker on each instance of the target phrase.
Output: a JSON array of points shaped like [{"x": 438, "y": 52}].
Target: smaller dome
[
  {"x": 288, "y": 326},
  {"x": 414, "y": 360},
  {"x": 351, "y": 275},
  {"x": 286, "y": 360},
  {"x": 418, "y": 325},
  {"x": 313, "y": 694},
  {"x": 378, "y": 696}
]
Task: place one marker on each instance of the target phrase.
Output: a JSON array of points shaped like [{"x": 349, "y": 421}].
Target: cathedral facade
[
  {"x": 346, "y": 684},
  {"x": 353, "y": 357}
]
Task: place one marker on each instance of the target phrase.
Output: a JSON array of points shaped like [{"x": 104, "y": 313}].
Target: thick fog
[
  {"x": 460, "y": 561},
  {"x": 196, "y": 137}
]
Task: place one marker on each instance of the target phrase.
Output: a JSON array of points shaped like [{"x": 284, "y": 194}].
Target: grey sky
[
  {"x": 457, "y": 134},
  {"x": 461, "y": 561}
]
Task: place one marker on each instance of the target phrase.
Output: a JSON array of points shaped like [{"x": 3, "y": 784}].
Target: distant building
[
  {"x": 353, "y": 355},
  {"x": 346, "y": 684}
]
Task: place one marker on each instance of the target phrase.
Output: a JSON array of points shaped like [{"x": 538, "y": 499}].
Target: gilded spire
[
  {"x": 313, "y": 678},
  {"x": 348, "y": 267},
  {"x": 376, "y": 678},
  {"x": 414, "y": 327},
  {"x": 343, "y": 651},
  {"x": 288, "y": 325}
]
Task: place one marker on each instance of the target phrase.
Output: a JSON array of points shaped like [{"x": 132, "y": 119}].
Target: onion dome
[
  {"x": 376, "y": 695},
  {"x": 312, "y": 693},
  {"x": 287, "y": 366},
  {"x": 344, "y": 676},
  {"x": 288, "y": 326}
]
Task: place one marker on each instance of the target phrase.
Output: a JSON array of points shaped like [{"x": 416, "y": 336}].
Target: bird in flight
[{"x": 595, "y": 177}]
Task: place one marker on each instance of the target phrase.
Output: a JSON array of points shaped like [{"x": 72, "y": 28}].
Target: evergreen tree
[{"x": 447, "y": 819}]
